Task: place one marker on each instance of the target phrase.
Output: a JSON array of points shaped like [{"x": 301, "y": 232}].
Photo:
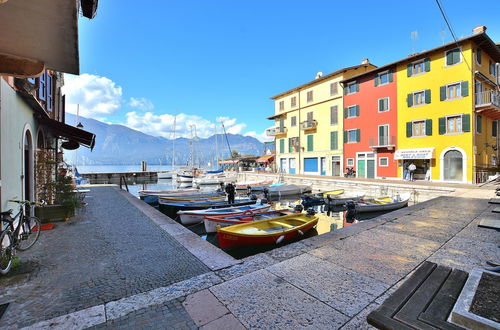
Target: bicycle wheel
[
  {"x": 30, "y": 231},
  {"x": 5, "y": 252}
]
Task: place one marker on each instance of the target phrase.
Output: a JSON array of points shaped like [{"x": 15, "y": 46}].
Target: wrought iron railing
[
  {"x": 309, "y": 124},
  {"x": 276, "y": 131},
  {"x": 382, "y": 141},
  {"x": 487, "y": 98}
]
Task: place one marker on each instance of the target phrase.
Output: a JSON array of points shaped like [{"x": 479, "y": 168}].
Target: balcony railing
[
  {"x": 309, "y": 124},
  {"x": 383, "y": 141},
  {"x": 273, "y": 131},
  {"x": 488, "y": 98}
]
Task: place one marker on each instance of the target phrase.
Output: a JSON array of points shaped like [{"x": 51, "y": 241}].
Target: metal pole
[{"x": 229, "y": 146}]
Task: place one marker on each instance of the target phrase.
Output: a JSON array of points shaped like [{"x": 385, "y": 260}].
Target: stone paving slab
[
  {"x": 78, "y": 320},
  {"x": 248, "y": 265},
  {"x": 346, "y": 291},
  {"x": 227, "y": 322},
  {"x": 204, "y": 308},
  {"x": 472, "y": 231},
  {"x": 263, "y": 300}
]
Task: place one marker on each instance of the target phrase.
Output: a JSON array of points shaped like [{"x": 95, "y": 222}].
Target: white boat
[
  {"x": 288, "y": 189},
  {"x": 196, "y": 216},
  {"x": 255, "y": 185},
  {"x": 165, "y": 175},
  {"x": 382, "y": 203},
  {"x": 345, "y": 197},
  {"x": 167, "y": 192},
  {"x": 209, "y": 180}
]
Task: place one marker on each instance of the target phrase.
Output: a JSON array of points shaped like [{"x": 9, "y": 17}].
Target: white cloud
[
  {"x": 262, "y": 137},
  {"x": 97, "y": 96},
  {"x": 141, "y": 103}
]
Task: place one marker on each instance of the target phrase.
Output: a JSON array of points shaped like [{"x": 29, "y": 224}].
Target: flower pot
[{"x": 51, "y": 213}]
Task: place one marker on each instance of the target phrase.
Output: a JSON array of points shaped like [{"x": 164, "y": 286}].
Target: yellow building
[
  {"x": 309, "y": 124},
  {"x": 448, "y": 110}
]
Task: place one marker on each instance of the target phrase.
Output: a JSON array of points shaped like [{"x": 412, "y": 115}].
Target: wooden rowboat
[
  {"x": 382, "y": 203},
  {"x": 211, "y": 222},
  {"x": 196, "y": 216},
  {"x": 270, "y": 231}
]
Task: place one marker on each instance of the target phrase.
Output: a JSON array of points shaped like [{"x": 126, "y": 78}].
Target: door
[
  {"x": 291, "y": 163},
  {"x": 283, "y": 165},
  {"x": 370, "y": 168},
  {"x": 360, "y": 172},
  {"x": 453, "y": 166},
  {"x": 323, "y": 166},
  {"x": 383, "y": 135},
  {"x": 336, "y": 165}
]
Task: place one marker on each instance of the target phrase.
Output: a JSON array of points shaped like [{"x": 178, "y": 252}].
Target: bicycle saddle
[{"x": 9, "y": 212}]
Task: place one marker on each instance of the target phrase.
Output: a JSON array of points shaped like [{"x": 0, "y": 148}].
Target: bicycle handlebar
[{"x": 27, "y": 202}]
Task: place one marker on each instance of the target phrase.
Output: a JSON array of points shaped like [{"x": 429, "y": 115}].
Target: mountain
[{"x": 120, "y": 145}]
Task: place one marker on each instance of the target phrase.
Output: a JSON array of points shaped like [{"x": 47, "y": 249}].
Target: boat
[
  {"x": 165, "y": 175},
  {"x": 288, "y": 189},
  {"x": 209, "y": 180},
  {"x": 196, "y": 216},
  {"x": 319, "y": 198},
  {"x": 382, "y": 203},
  {"x": 342, "y": 199},
  {"x": 269, "y": 231},
  {"x": 255, "y": 185},
  {"x": 184, "y": 178},
  {"x": 201, "y": 198},
  {"x": 170, "y": 208},
  {"x": 211, "y": 222},
  {"x": 220, "y": 170},
  {"x": 151, "y": 196}
]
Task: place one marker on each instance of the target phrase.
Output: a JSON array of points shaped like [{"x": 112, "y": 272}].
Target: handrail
[
  {"x": 122, "y": 177},
  {"x": 487, "y": 97}
]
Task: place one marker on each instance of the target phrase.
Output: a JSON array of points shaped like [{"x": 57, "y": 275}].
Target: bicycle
[{"x": 21, "y": 232}]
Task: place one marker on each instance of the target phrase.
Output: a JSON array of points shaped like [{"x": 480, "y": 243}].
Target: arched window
[{"x": 40, "y": 141}]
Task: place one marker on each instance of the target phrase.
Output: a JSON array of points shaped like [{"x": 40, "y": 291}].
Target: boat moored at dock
[
  {"x": 211, "y": 222},
  {"x": 196, "y": 216},
  {"x": 382, "y": 203}
]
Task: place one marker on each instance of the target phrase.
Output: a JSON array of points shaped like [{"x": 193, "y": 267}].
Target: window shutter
[
  {"x": 357, "y": 110},
  {"x": 409, "y": 129},
  {"x": 409, "y": 99},
  {"x": 427, "y": 96},
  {"x": 381, "y": 131},
  {"x": 408, "y": 70},
  {"x": 358, "y": 135},
  {"x": 465, "y": 123},
  {"x": 390, "y": 76},
  {"x": 41, "y": 86},
  {"x": 376, "y": 80},
  {"x": 282, "y": 146},
  {"x": 449, "y": 58},
  {"x": 464, "y": 88},
  {"x": 478, "y": 56},
  {"x": 345, "y": 136},
  {"x": 334, "y": 143},
  {"x": 346, "y": 88},
  {"x": 427, "y": 64},
  {"x": 456, "y": 55},
  {"x": 381, "y": 105},
  {"x": 479, "y": 124},
  {"x": 442, "y": 93},
  {"x": 310, "y": 142},
  {"x": 357, "y": 87},
  {"x": 428, "y": 127},
  {"x": 442, "y": 125},
  {"x": 50, "y": 99},
  {"x": 345, "y": 112}
]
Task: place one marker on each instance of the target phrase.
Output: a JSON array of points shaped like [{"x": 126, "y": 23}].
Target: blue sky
[{"x": 144, "y": 61}]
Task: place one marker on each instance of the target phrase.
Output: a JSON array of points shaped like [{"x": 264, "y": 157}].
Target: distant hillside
[{"x": 120, "y": 145}]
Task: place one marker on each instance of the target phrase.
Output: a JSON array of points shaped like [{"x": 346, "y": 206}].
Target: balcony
[
  {"x": 308, "y": 125},
  {"x": 382, "y": 142},
  {"x": 276, "y": 131},
  {"x": 488, "y": 100}
]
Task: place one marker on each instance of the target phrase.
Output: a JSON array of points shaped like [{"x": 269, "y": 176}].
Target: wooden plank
[
  {"x": 494, "y": 201},
  {"x": 384, "y": 322},
  {"x": 496, "y": 210},
  {"x": 440, "y": 308},
  {"x": 489, "y": 223},
  {"x": 422, "y": 297}
]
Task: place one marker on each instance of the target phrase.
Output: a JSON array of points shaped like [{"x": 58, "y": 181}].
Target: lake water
[{"x": 119, "y": 168}]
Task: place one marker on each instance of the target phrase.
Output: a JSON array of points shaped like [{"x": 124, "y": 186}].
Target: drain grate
[{"x": 3, "y": 308}]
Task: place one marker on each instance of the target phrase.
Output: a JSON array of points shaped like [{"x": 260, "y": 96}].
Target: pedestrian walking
[
  {"x": 411, "y": 169},
  {"x": 230, "y": 191}
]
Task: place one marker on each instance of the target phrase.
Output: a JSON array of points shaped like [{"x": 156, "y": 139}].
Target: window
[
  {"x": 334, "y": 89},
  {"x": 383, "y": 104},
  {"x": 42, "y": 86},
  {"x": 334, "y": 140},
  {"x": 282, "y": 146},
  {"x": 453, "y": 91},
  {"x": 478, "y": 56},
  {"x": 293, "y": 102},
  {"x": 453, "y": 57},
  {"x": 293, "y": 144},
  {"x": 352, "y": 111},
  {"x": 282, "y": 125},
  {"x": 383, "y": 135},
  {"x": 419, "y": 98},
  {"x": 479, "y": 124},
  {"x": 282, "y": 105},
  {"x": 350, "y": 161},
  {"x": 352, "y": 136},
  {"x": 352, "y": 87},
  {"x": 334, "y": 115},
  {"x": 309, "y": 96},
  {"x": 494, "y": 128},
  {"x": 293, "y": 121},
  {"x": 383, "y": 161},
  {"x": 454, "y": 124},
  {"x": 418, "y": 67},
  {"x": 493, "y": 70},
  {"x": 418, "y": 128},
  {"x": 384, "y": 77}
]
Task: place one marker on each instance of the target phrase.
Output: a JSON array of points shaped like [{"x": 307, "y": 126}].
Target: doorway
[
  {"x": 323, "y": 166},
  {"x": 336, "y": 166},
  {"x": 453, "y": 166},
  {"x": 28, "y": 166}
]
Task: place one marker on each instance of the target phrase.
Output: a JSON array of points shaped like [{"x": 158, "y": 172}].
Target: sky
[{"x": 205, "y": 62}]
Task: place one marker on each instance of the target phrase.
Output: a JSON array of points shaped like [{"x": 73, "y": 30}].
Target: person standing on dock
[
  {"x": 411, "y": 169},
  {"x": 230, "y": 191}
]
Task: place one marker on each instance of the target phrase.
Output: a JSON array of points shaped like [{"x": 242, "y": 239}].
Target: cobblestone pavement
[{"x": 109, "y": 251}]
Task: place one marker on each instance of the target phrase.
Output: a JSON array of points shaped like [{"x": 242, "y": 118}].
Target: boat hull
[
  {"x": 197, "y": 216},
  {"x": 211, "y": 223},
  {"x": 164, "y": 175},
  {"x": 364, "y": 208},
  {"x": 171, "y": 209}
]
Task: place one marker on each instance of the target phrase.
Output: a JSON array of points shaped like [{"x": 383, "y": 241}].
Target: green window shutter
[
  {"x": 357, "y": 110},
  {"x": 428, "y": 127},
  {"x": 358, "y": 135},
  {"x": 465, "y": 123},
  {"x": 442, "y": 93},
  {"x": 380, "y": 131},
  {"x": 282, "y": 146},
  {"x": 357, "y": 86},
  {"x": 409, "y": 70},
  {"x": 345, "y": 112},
  {"x": 290, "y": 146},
  {"x": 310, "y": 142},
  {"x": 376, "y": 80},
  {"x": 427, "y": 96},
  {"x": 465, "y": 88},
  {"x": 345, "y": 136},
  {"x": 449, "y": 58},
  {"x": 427, "y": 64},
  {"x": 442, "y": 125},
  {"x": 409, "y": 99},
  {"x": 334, "y": 140},
  {"x": 345, "y": 89},
  {"x": 456, "y": 56},
  {"x": 380, "y": 104},
  {"x": 479, "y": 124},
  {"x": 409, "y": 129},
  {"x": 390, "y": 76}
]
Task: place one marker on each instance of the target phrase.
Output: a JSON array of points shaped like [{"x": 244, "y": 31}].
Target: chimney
[
  {"x": 365, "y": 61},
  {"x": 479, "y": 29}
]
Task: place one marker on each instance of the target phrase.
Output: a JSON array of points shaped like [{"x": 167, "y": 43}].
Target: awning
[
  {"x": 225, "y": 162},
  {"x": 69, "y": 132},
  {"x": 416, "y": 153},
  {"x": 265, "y": 159}
]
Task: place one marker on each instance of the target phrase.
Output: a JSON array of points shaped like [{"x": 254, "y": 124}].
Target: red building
[{"x": 370, "y": 123}]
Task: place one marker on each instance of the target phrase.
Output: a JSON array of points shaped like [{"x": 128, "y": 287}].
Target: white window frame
[
  {"x": 350, "y": 130},
  {"x": 388, "y": 103},
  {"x": 350, "y": 162},
  {"x": 348, "y": 108},
  {"x": 445, "y": 58},
  {"x": 413, "y": 74},
  {"x": 413, "y": 130},
  {"x": 386, "y": 159},
  {"x": 459, "y": 83},
  {"x": 413, "y": 96},
  {"x": 352, "y": 83},
  {"x": 461, "y": 125},
  {"x": 380, "y": 79}
]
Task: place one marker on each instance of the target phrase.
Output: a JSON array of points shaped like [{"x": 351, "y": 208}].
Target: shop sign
[{"x": 417, "y": 153}]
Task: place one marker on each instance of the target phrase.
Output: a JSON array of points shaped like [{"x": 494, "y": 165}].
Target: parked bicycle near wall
[{"x": 20, "y": 233}]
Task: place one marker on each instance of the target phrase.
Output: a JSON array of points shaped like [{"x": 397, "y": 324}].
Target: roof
[
  {"x": 481, "y": 38},
  {"x": 316, "y": 81}
]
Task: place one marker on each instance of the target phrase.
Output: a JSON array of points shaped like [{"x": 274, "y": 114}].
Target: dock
[{"x": 136, "y": 177}]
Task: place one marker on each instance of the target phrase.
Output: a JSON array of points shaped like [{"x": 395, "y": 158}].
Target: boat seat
[{"x": 282, "y": 224}]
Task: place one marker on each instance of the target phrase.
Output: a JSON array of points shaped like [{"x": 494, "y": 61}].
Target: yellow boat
[
  {"x": 333, "y": 193},
  {"x": 268, "y": 231}
]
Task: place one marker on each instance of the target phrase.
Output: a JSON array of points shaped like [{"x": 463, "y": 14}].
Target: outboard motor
[
  {"x": 249, "y": 190},
  {"x": 298, "y": 208},
  {"x": 266, "y": 193},
  {"x": 310, "y": 212},
  {"x": 350, "y": 214},
  {"x": 263, "y": 201},
  {"x": 253, "y": 197}
]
